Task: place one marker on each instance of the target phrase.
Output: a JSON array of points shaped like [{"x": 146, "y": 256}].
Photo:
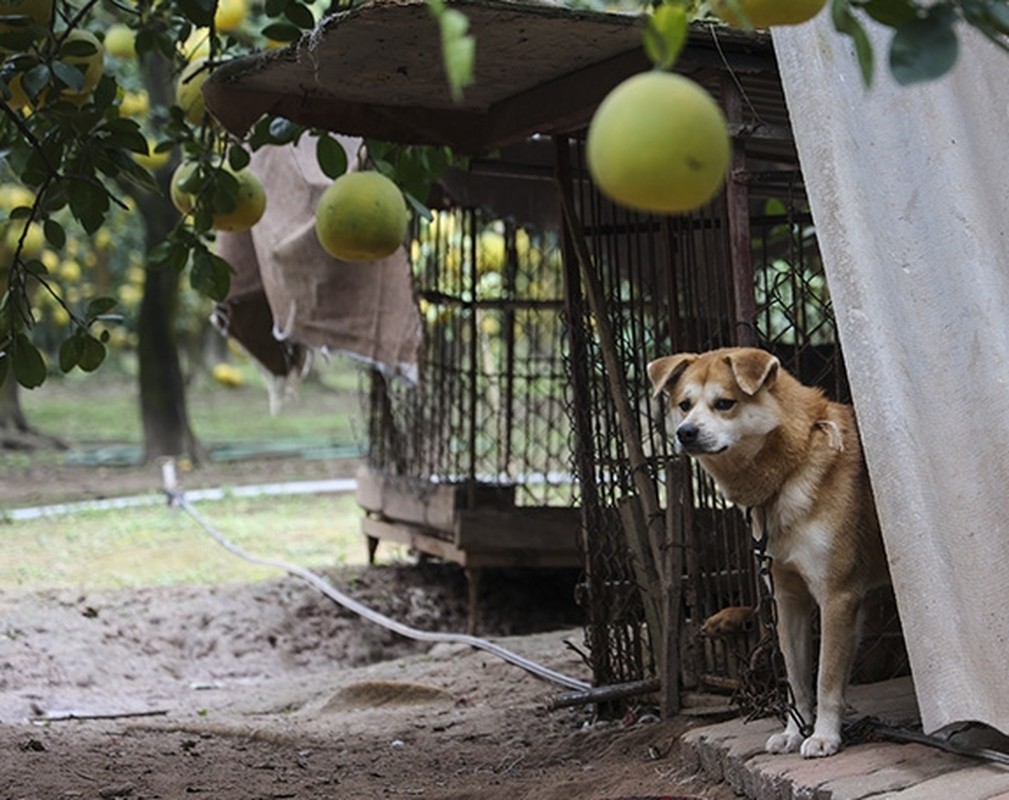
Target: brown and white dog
[{"x": 793, "y": 458}]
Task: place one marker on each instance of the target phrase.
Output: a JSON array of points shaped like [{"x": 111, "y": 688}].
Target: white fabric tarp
[{"x": 909, "y": 189}]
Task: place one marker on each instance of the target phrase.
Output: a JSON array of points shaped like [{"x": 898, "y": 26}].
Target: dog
[{"x": 792, "y": 459}]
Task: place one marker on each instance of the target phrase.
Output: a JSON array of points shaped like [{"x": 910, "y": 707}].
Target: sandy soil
[{"x": 270, "y": 690}]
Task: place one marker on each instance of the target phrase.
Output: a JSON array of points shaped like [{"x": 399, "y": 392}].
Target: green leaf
[
  {"x": 77, "y": 47},
  {"x": 892, "y": 13},
  {"x": 224, "y": 198},
  {"x": 282, "y": 32},
  {"x": 27, "y": 362},
  {"x": 210, "y": 275},
  {"x": 70, "y": 75},
  {"x": 89, "y": 203},
  {"x": 422, "y": 210},
  {"x": 199, "y": 12},
  {"x": 260, "y": 135},
  {"x": 846, "y": 23},
  {"x": 35, "y": 80},
  {"x": 924, "y": 49},
  {"x": 125, "y": 133},
  {"x": 92, "y": 353},
  {"x": 18, "y": 40},
  {"x": 274, "y": 8},
  {"x": 55, "y": 234},
  {"x": 99, "y": 306},
  {"x": 238, "y": 157},
  {"x": 665, "y": 34},
  {"x": 458, "y": 50},
  {"x": 998, "y": 15},
  {"x": 169, "y": 255},
  {"x": 331, "y": 156},
  {"x": 70, "y": 352},
  {"x": 300, "y": 15}
]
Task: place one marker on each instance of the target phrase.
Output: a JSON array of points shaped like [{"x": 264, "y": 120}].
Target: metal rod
[{"x": 603, "y": 694}]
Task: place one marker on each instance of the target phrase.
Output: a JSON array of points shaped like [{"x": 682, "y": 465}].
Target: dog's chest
[{"x": 796, "y": 537}]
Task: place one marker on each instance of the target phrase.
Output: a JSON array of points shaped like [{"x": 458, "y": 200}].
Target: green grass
[
  {"x": 156, "y": 545},
  {"x": 104, "y": 407}
]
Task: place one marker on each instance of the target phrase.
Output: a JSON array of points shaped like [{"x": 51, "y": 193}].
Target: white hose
[{"x": 178, "y": 499}]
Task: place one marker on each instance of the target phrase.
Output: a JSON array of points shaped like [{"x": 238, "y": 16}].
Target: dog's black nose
[{"x": 687, "y": 433}]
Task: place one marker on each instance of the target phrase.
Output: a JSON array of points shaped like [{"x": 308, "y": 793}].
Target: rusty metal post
[{"x": 737, "y": 200}]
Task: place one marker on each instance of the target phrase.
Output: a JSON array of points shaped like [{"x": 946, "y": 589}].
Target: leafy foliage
[
  {"x": 83, "y": 152},
  {"x": 85, "y": 147},
  {"x": 925, "y": 44}
]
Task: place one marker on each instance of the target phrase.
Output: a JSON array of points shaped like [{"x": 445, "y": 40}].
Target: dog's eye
[
  {"x": 724, "y": 403},
  {"x": 684, "y": 405}
]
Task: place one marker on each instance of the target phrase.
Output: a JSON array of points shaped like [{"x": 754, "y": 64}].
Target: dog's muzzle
[
  {"x": 688, "y": 435},
  {"x": 691, "y": 440}
]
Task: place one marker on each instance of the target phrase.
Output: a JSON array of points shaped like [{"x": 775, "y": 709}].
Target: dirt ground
[{"x": 270, "y": 690}]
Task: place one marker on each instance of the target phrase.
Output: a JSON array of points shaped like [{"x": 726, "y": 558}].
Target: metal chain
[{"x": 783, "y": 705}]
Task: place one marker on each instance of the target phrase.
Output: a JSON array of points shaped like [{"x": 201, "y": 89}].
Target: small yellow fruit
[
  {"x": 33, "y": 240},
  {"x": 250, "y": 205},
  {"x": 70, "y": 270},
  {"x": 197, "y": 44},
  {"x": 40, "y": 11},
  {"x": 189, "y": 90},
  {"x": 183, "y": 201},
  {"x": 13, "y": 195},
  {"x": 227, "y": 375},
  {"x": 135, "y": 104},
  {"x": 230, "y": 14},
  {"x": 766, "y": 13},
  {"x": 362, "y": 216},
  {"x": 19, "y": 98},
  {"x": 250, "y": 199},
  {"x": 491, "y": 252},
  {"x": 659, "y": 143},
  {"x": 153, "y": 160},
  {"x": 93, "y": 64},
  {"x": 120, "y": 41}
]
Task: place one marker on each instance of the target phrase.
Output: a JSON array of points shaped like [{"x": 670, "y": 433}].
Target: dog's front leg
[
  {"x": 795, "y": 606},
  {"x": 838, "y": 642}
]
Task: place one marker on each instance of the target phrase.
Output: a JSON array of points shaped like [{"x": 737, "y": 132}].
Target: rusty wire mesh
[
  {"x": 671, "y": 287},
  {"x": 489, "y": 407}
]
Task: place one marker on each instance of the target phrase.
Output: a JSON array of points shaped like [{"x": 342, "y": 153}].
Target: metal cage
[{"x": 473, "y": 462}]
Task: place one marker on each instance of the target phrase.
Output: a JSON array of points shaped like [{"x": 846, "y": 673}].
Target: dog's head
[{"x": 721, "y": 400}]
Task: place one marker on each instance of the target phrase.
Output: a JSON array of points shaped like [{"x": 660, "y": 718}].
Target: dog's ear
[
  {"x": 664, "y": 372},
  {"x": 753, "y": 368}
]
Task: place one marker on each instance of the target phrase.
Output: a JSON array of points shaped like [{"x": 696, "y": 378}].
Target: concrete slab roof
[{"x": 376, "y": 70}]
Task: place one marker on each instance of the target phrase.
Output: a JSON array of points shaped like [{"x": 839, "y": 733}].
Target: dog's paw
[
  {"x": 784, "y": 742},
  {"x": 729, "y": 620},
  {"x": 820, "y": 746}
]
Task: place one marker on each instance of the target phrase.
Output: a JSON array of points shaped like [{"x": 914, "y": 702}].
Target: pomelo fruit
[
  {"x": 91, "y": 63},
  {"x": 766, "y": 13},
  {"x": 182, "y": 200},
  {"x": 230, "y": 14},
  {"x": 362, "y": 216},
  {"x": 659, "y": 143},
  {"x": 250, "y": 204},
  {"x": 250, "y": 199},
  {"x": 120, "y": 41},
  {"x": 189, "y": 90},
  {"x": 152, "y": 160}
]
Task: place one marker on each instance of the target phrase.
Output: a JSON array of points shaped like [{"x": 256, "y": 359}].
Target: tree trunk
[
  {"x": 15, "y": 432},
  {"x": 162, "y": 389}
]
